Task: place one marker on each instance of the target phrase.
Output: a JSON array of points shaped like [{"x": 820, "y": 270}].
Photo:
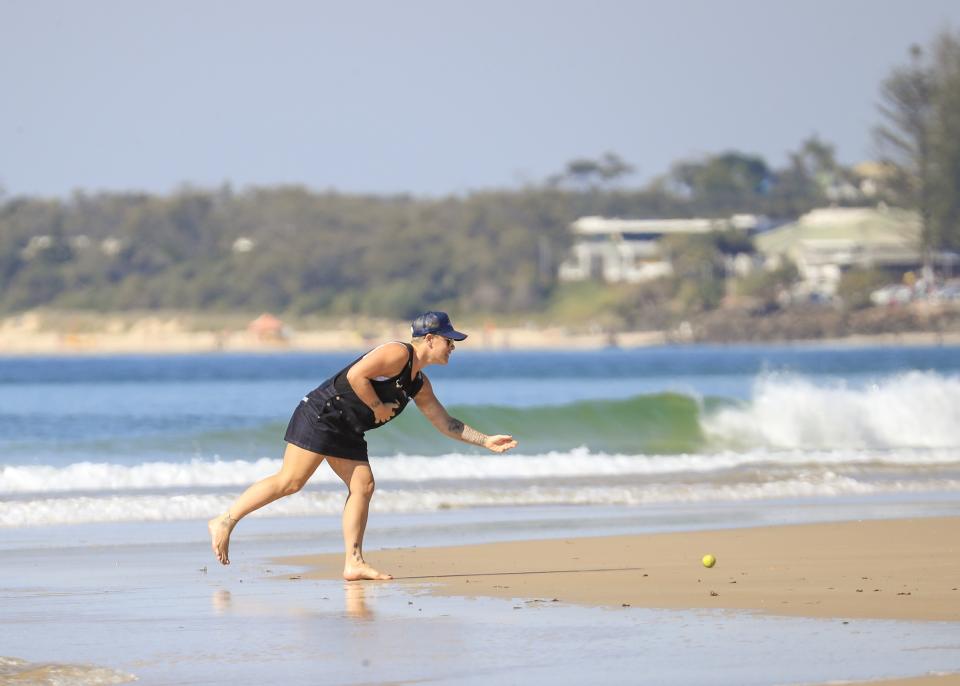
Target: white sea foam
[
  {"x": 111, "y": 478},
  {"x": 16, "y": 671},
  {"x": 104, "y": 476},
  {"x": 795, "y": 438},
  {"x": 908, "y": 411},
  {"x": 129, "y": 508}
]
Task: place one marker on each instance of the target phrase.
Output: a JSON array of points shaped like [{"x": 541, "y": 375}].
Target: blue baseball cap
[{"x": 438, "y": 323}]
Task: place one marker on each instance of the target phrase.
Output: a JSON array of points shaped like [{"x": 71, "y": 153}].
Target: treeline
[{"x": 290, "y": 250}]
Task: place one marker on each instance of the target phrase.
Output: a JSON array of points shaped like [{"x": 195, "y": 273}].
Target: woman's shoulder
[
  {"x": 389, "y": 358},
  {"x": 395, "y": 349},
  {"x": 390, "y": 349}
]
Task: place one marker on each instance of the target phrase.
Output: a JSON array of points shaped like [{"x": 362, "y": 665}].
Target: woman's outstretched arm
[{"x": 435, "y": 412}]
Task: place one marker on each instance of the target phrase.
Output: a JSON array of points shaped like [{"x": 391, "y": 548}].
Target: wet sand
[
  {"x": 897, "y": 569},
  {"x": 100, "y": 603}
]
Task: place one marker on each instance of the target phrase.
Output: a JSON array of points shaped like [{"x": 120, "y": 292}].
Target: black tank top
[{"x": 352, "y": 410}]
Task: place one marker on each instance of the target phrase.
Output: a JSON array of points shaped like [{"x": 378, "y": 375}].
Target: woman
[{"x": 330, "y": 422}]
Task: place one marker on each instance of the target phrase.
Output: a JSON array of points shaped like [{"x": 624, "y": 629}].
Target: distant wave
[
  {"x": 98, "y": 478},
  {"x": 130, "y": 508},
  {"x": 911, "y": 410},
  {"x": 645, "y": 424}
]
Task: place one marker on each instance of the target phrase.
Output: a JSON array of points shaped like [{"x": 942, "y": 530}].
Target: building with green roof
[{"x": 826, "y": 242}]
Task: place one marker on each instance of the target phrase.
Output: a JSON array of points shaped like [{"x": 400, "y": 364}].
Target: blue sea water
[{"x": 157, "y": 438}]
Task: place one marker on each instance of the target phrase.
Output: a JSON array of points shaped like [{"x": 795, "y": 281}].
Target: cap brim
[{"x": 453, "y": 334}]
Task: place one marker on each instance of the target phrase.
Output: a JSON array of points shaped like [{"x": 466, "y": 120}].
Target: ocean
[
  {"x": 134, "y": 439},
  {"x": 109, "y": 467}
]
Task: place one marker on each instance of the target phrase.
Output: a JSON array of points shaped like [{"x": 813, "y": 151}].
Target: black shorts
[{"x": 324, "y": 433}]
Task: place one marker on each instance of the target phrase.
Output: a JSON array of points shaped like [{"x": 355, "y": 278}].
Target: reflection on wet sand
[
  {"x": 221, "y": 601},
  {"x": 355, "y": 601}
]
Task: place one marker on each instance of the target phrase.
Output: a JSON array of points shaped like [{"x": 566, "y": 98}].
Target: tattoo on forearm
[{"x": 464, "y": 432}]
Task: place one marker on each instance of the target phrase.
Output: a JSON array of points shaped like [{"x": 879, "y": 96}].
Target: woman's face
[{"x": 440, "y": 348}]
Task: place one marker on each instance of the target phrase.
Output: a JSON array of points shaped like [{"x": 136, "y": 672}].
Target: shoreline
[
  {"x": 898, "y": 569},
  {"x": 33, "y": 335}
]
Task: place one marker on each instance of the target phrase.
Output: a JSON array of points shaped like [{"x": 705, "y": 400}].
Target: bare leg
[
  {"x": 359, "y": 479},
  {"x": 298, "y": 466}
]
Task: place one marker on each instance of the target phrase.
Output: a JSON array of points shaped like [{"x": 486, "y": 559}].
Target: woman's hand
[
  {"x": 499, "y": 443},
  {"x": 383, "y": 412}
]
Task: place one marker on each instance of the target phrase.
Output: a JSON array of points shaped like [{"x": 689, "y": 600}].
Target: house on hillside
[
  {"x": 826, "y": 242},
  {"x": 628, "y": 250}
]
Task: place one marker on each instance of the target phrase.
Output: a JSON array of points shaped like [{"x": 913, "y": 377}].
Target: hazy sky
[{"x": 429, "y": 97}]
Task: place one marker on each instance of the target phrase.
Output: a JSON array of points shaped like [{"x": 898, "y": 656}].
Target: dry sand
[
  {"x": 894, "y": 569},
  {"x": 935, "y": 680},
  {"x": 52, "y": 333}
]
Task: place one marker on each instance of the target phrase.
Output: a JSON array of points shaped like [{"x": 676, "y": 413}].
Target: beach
[
  {"x": 900, "y": 569},
  {"x": 824, "y": 480},
  {"x": 93, "y": 606}
]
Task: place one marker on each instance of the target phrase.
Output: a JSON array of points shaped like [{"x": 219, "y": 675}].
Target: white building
[
  {"x": 628, "y": 250},
  {"x": 243, "y": 244}
]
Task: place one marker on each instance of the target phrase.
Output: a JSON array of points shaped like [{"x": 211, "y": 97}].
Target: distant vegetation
[
  {"x": 919, "y": 135},
  {"x": 293, "y": 251}
]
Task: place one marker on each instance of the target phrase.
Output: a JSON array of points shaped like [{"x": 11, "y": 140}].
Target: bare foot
[
  {"x": 363, "y": 571},
  {"x": 220, "y": 528}
]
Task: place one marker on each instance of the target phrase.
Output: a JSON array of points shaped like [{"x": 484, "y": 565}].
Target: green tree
[
  {"x": 944, "y": 201},
  {"x": 729, "y": 182},
  {"x": 919, "y": 134},
  {"x": 698, "y": 271},
  {"x": 856, "y": 285},
  {"x": 586, "y": 173},
  {"x": 904, "y": 137},
  {"x": 767, "y": 285}
]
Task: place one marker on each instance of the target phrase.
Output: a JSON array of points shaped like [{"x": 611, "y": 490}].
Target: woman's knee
[
  {"x": 362, "y": 485},
  {"x": 291, "y": 483}
]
